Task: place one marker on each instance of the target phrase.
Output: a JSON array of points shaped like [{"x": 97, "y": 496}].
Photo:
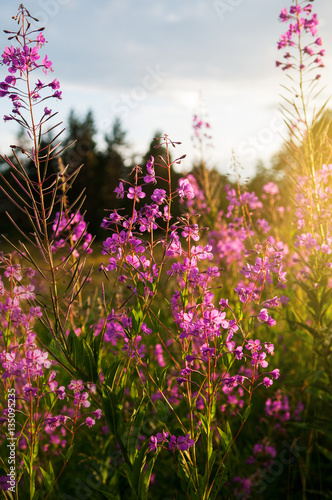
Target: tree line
[{"x": 102, "y": 167}]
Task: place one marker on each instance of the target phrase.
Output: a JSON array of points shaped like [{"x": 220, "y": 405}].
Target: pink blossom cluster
[
  {"x": 71, "y": 228},
  {"x": 21, "y": 62},
  {"x": 30, "y": 370},
  {"x": 200, "y": 126},
  {"x": 182, "y": 443},
  {"x": 280, "y": 409},
  {"x": 311, "y": 54},
  {"x": 313, "y": 208}
]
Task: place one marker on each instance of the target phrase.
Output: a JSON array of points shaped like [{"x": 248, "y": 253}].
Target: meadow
[{"x": 183, "y": 356}]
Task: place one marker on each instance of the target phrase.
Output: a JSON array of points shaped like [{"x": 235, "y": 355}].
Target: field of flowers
[{"x": 195, "y": 362}]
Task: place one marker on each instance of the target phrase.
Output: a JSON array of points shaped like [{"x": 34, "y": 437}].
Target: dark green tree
[
  {"x": 82, "y": 152},
  {"x": 111, "y": 168},
  {"x": 157, "y": 150}
]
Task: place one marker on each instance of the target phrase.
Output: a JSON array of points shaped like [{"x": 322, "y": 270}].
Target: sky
[{"x": 155, "y": 64}]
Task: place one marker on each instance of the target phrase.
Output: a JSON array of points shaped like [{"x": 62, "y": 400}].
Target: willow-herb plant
[
  {"x": 309, "y": 153},
  {"x": 174, "y": 355}
]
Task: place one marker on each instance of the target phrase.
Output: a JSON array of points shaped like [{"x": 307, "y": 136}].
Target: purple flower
[
  {"x": 55, "y": 84},
  {"x": 267, "y": 381},
  {"x": 297, "y": 9},
  {"x": 76, "y": 385},
  {"x": 61, "y": 392},
  {"x": 191, "y": 232},
  {"x": 263, "y": 225},
  {"x": 253, "y": 345},
  {"x": 172, "y": 443},
  {"x": 4, "y": 483},
  {"x": 135, "y": 193},
  {"x": 39, "y": 357},
  {"x": 81, "y": 399},
  {"x": 13, "y": 271},
  {"x": 40, "y": 39},
  {"x": 284, "y": 15},
  {"x": 181, "y": 443},
  {"x": 158, "y": 353},
  {"x": 263, "y": 316},
  {"x": 133, "y": 260},
  {"x": 185, "y": 189},
  {"x": 159, "y": 196},
  {"x": 90, "y": 421},
  {"x": 151, "y": 177},
  {"x": 119, "y": 191},
  {"x": 97, "y": 413},
  {"x": 30, "y": 391},
  {"x": 153, "y": 443},
  {"x": 271, "y": 188},
  {"x": 146, "y": 329},
  {"x": 47, "y": 64}
]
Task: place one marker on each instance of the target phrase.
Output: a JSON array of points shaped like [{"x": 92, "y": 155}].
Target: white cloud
[{"x": 101, "y": 51}]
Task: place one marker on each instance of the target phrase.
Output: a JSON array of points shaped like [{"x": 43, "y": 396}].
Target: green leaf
[
  {"x": 69, "y": 452},
  {"x": 327, "y": 453},
  {"x": 246, "y": 413},
  {"x": 90, "y": 362},
  {"x": 111, "y": 409},
  {"x": 136, "y": 422},
  {"x": 137, "y": 472},
  {"x": 204, "y": 421},
  {"x": 112, "y": 373},
  {"x": 145, "y": 478},
  {"x": 160, "y": 377},
  {"x": 26, "y": 460},
  {"x": 133, "y": 390},
  {"x": 187, "y": 472},
  {"x": 32, "y": 484},
  {"x": 108, "y": 495},
  {"x": 151, "y": 286},
  {"x": 75, "y": 347},
  {"x": 204, "y": 480},
  {"x": 47, "y": 478},
  {"x": 225, "y": 441},
  {"x": 218, "y": 481},
  {"x": 140, "y": 288},
  {"x": 184, "y": 298},
  {"x": 229, "y": 432}
]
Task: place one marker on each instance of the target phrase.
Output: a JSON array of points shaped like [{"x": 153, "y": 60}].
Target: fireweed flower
[
  {"x": 300, "y": 27},
  {"x": 205, "y": 333},
  {"x": 135, "y": 193},
  {"x": 81, "y": 399},
  {"x": 119, "y": 190},
  {"x": 21, "y": 61},
  {"x": 159, "y": 196},
  {"x": 182, "y": 443},
  {"x": 191, "y": 231},
  {"x": 74, "y": 225},
  {"x": 90, "y": 421},
  {"x": 76, "y": 385},
  {"x": 185, "y": 189},
  {"x": 151, "y": 177},
  {"x": 199, "y": 125}
]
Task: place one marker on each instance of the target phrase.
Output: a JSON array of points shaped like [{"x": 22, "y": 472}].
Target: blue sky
[{"x": 148, "y": 61}]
